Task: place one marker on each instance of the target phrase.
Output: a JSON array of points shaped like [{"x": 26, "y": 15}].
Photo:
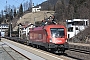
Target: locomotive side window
[
  {"x": 40, "y": 36},
  {"x": 57, "y": 32}
]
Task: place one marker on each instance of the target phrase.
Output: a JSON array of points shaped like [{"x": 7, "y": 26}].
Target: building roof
[
  {"x": 77, "y": 20},
  {"x": 36, "y": 6},
  {"x": 3, "y": 24}
]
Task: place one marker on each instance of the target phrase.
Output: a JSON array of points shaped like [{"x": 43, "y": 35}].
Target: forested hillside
[
  {"x": 68, "y": 9},
  {"x": 64, "y": 9}
]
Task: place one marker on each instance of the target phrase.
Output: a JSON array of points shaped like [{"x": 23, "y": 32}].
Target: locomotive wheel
[
  {"x": 62, "y": 51},
  {"x": 27, "y": 43},
  {"x": 37, "y": 46},
  {"x": 33, "y": 45},
  {"x": 48, "y": 49}
]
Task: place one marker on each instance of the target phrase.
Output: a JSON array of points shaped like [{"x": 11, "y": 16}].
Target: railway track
[
  {"x": 77, "y": 52},
  {"x": 41, "y": 53},
  {"x": 80, "y": 51},
  {"x": 78, "y": 55},
  {"x": 7, "y": 53}
]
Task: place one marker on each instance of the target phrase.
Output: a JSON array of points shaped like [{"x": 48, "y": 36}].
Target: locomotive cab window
[
  {"x": 45, "y": 32},
  {"x": 57, "y": 32}
]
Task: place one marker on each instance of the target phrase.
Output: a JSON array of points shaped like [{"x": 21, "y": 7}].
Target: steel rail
[{"x": 8, "y": 53}]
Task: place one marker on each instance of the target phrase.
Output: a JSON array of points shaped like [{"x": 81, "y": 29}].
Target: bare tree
[
  {"x": 30, "y": 4},
  {"x": 70, "y": 12},
  {"x": 24, "y": 7},
  {"x": 60, "y": 10},
  {"x": 83, "y": 12}
]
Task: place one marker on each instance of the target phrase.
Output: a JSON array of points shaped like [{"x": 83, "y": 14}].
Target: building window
[
  {"x": 79, "y": 22},
  {"x": 70, "y": 29},
  {"x": 76, "y": 28},
  {"x": 86, "y": 23}
]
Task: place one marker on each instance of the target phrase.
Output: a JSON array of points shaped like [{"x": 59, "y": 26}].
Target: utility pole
[
  {"x": 10, "y": 17},
  {"x": 10, "y": 24},
  {"x": 1, "y": 29},
  {"x": 20, "y": 26},
  {"x": 10, "y": 29},
  {"x": 19, "y": 31}
]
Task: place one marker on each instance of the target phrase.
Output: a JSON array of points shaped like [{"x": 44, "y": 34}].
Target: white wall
[
  {"x": 36, "y": 9},
  {"x": 80, "y": 27}
]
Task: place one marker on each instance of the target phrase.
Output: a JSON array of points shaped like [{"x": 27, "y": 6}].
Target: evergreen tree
[
  {"x": 11, "y": 14},
  {"x": 21, "y": 11},
  {"x": 14, "y": 12}
]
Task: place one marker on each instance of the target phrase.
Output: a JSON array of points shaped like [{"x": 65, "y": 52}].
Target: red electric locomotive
[{"x": 52, "y": 37}]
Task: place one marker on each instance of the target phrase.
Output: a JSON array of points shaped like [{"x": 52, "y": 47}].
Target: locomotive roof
[
  {"x": 47, "y": 26},
  {"x": 54, "y": 26}
]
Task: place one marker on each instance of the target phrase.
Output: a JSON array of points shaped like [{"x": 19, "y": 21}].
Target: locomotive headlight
[
  {"x": 66, "y": 40},
  {"x": 50, "y": 40}
]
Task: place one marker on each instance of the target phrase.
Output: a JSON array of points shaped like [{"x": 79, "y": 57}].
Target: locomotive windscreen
[{"x": 57, "y": 32}]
